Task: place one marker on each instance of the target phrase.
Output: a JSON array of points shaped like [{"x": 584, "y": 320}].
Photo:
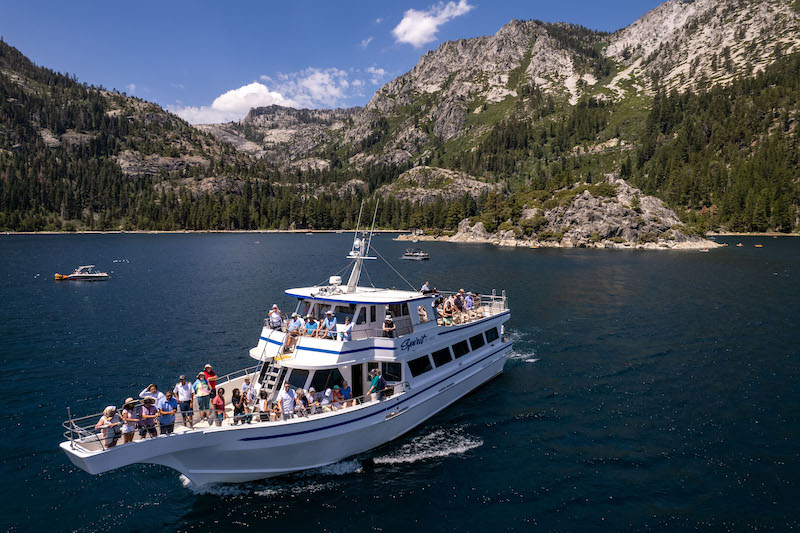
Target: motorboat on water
[
  {"x": 415, "y": 254},
  {"x": 429, "y": 364},
  {"x": 84, "y": 273}
]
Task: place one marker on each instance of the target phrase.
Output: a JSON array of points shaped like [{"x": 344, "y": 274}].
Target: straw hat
[{"x": 129, "y": 401}]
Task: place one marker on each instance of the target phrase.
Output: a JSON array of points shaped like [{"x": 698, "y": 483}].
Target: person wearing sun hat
[
  {"x": 328, "y": 327},
  {"x": 109, "y": 426},
  {"x": 130, "y": 420},
  {"x": 275, "y": 317},
  {"x": 208, "y": 370},
  {"x": 389, "y": 327}
]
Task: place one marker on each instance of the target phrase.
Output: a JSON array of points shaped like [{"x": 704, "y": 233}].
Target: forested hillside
[{"x": 531, "y": 118}]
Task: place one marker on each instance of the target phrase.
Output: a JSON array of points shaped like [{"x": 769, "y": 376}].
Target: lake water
[{"x": 651, "y": 391}]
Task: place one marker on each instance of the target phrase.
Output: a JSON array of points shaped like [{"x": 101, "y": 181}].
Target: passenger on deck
[
  {"x": 389, "y": 327},
  {"x": 346, "y": 330},
  {"x": 347, "y": 393},
  {"x": 275, "y": 317},
  {"x": 301, "y": 404},
  {"x": 237, "y": 401},
  {"x": 219, "y": 407},
  {"x": 313, "y": 402},
  {"x": 469, "y": 302},
  {"x": 151, "y": 391},
  {"x": 294, "y": 330},
  {"x": 310, "y": 327},
  {"x": 328, "y": 327},
  {"x": 327, "y": 401},
  {"x": 337, "y": 397},
  {"x": 167, "y": 408},
  {"x": 211, "y": 377},
  {"x": 263, "y": 406},
  {"x": 185, "y": 394},
  {"x": 381, "y": 382},
  {"x": 130, "y": 419},
  {"x": 423, "y": 314},
  {"x": 203, "y": 393},
  {"x": 147, "y": 418},
  {"x": 448, "y": 311},
  {"x": 250, "y": 399},
  {"x": 426, "y": 288},
  {"x": 109, "y": 424},
  {"x": 285, "y": 400},
  {"x": 374, "y": 386}
]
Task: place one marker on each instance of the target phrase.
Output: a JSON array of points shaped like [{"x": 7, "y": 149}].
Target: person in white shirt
[
  {"x": 346, "y": 330},
  {"x": 275, "y": 317},
  {"x": 151, "y": 391},
  {"x": 184, "y": 392},
  {"x": 286, "y": 401}
]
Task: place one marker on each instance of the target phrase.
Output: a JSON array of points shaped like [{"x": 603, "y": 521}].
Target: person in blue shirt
[
  {"x": 167, "y": 407},
  {"x": 293, "y": 331},
  {"x": 328, "y": 328},
  {"x": 310, "y": 328}
]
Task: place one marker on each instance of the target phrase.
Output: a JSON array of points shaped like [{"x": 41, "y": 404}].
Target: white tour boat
[
  {"x": 427, "y": 366},
  {"x": 84, "y": 273}
]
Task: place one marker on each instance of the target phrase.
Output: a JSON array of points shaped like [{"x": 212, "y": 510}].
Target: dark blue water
[{"x": 653, "y": 391}]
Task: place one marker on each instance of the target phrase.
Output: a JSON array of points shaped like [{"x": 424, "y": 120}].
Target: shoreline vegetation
[{"x": 402, "y": 232}]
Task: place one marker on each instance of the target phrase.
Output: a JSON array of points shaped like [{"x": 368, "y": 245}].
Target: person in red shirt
[{"x": 211, "y": 377}]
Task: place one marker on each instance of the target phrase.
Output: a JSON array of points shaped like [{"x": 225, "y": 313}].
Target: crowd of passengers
[
  {"x": 161, "y": 408},
  {"x": 455, "y": 309}
]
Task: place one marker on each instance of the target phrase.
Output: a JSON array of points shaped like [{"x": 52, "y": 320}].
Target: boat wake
[{"x": 440, "y": 443}]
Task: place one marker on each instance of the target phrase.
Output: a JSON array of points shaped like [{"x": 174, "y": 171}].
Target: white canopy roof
[{"x": 362, "y": 295}]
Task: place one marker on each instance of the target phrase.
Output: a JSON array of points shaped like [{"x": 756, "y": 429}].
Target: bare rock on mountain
[
  {"x": 134, "y": 163},
  {"x": 425, "y": 184},
  {"x": 684, "y": 44}
]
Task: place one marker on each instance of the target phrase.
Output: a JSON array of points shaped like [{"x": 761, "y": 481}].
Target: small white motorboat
[
  {"x": 415, "y": 254},
  {"x": 84, "y": 273}
]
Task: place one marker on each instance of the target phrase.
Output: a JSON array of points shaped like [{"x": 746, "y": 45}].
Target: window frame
[
  {"x": 446, "y": 349},
  {"x": 427, "y": 368},
  {"x": 459, "y": 343}
]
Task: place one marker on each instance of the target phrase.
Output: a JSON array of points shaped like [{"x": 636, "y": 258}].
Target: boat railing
[{"x": 82, "y": 433}]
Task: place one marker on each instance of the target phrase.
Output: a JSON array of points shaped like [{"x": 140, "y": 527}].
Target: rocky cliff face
[
  {"x": 684, "y": 44},
  {"x": 425, "y": 184},
  {"x": 681, "y": 44}
]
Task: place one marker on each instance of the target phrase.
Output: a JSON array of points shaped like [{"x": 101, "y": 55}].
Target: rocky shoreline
[{"x": 611, "y": 214}]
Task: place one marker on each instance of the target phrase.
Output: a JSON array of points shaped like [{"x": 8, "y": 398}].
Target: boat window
[
  {"x": 298, "y": 377},
  {"x": 460, "y": 349},
  {"x": 442, "y": 357},
  {"x": 477, "y": 341},
  {"x": 362, "y": 316},
  {"x": 392, "y": 371},
  {"x": 327, "y": 378},
  {"x": 492, "y": 335},
  {"x": 397, "y": 310},
  {"x": 420, "y": 365},
  {"x": 372, "y": 313},
  {"x": 344, "y": 311}
]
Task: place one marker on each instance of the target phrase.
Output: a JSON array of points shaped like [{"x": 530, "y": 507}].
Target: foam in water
[{"x": 440, "y": 443}]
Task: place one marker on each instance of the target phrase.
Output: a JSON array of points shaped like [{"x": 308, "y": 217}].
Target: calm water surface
[{"x": 653, "y": 391}]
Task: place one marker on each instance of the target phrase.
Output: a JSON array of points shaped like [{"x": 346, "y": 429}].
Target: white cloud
[
  {"x": 378, "y": 20},
  {"x": 420, "y": 27},
  {"x": 377, "y": 74},
  {"x": 232, "y": 105},
  {"x": 176, "y": 86},
  {"x": 366, "y": 42},
  {"x": 311, "y": 88},
  {"x": 131, "y": 88}
]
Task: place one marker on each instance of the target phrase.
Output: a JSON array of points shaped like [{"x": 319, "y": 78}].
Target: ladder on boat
[{"x": 270, "y": 373}]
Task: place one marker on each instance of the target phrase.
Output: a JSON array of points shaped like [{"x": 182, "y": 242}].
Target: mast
[{"x": 360, "y": 250}]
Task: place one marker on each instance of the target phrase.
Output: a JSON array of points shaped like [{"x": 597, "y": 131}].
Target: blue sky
[{"x": 211, "y": 61}]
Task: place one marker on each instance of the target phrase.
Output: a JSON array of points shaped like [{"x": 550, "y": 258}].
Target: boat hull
[{"x": 258, "y": 451}]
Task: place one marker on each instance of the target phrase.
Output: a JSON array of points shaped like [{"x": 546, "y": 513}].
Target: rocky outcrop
[
  {"x": 425, "y": 184},
  {"x": 615, "y": 215},
  {"x": 134, "y": 163}
]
